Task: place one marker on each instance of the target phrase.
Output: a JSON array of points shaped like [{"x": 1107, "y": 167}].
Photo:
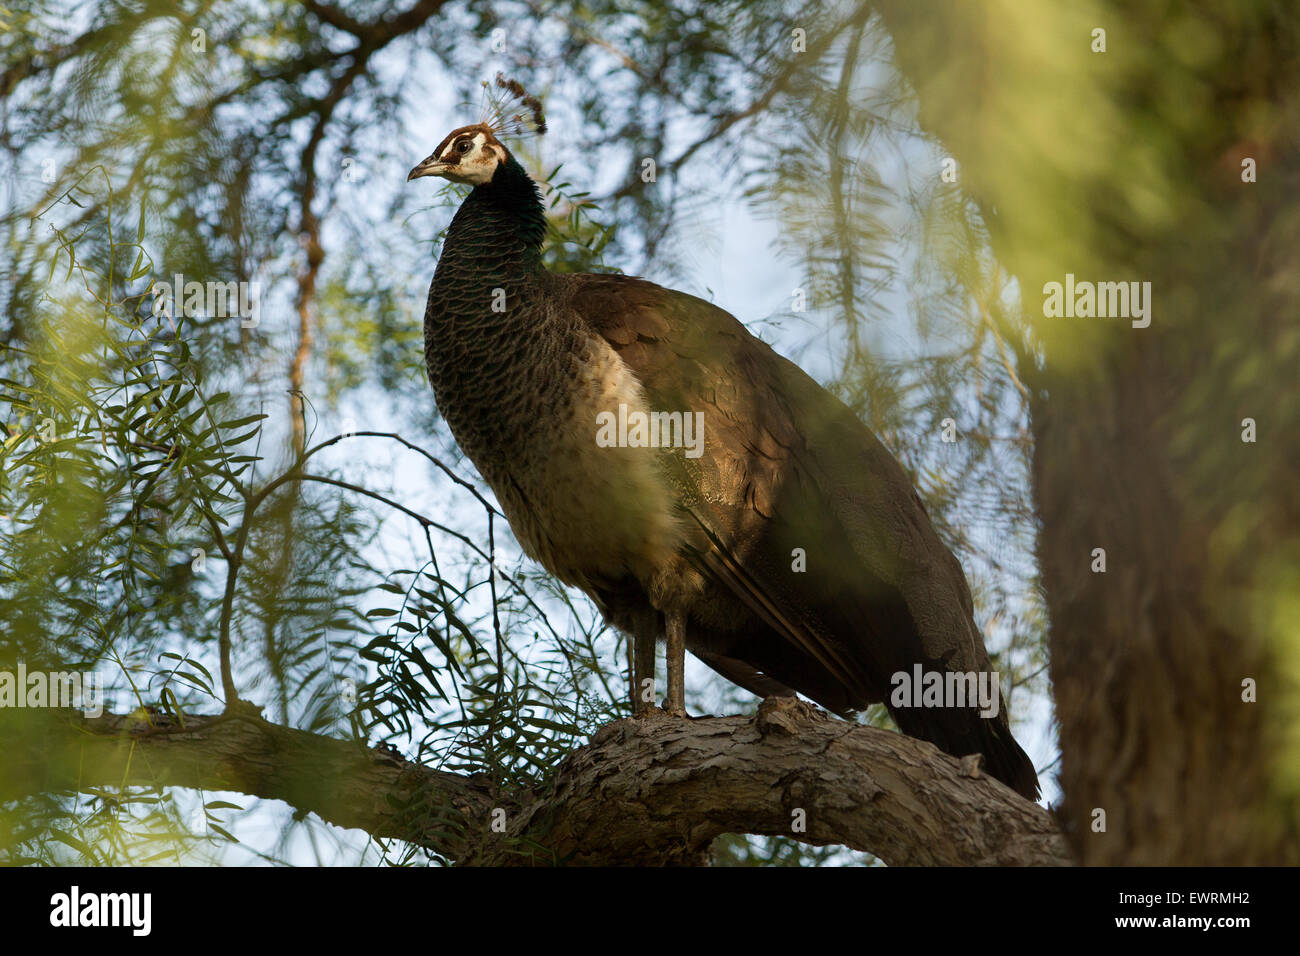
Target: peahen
[{"x": 787, "y": 549}]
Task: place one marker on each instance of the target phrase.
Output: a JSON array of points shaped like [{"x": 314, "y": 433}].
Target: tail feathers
[{"x": 963, "y": 732}]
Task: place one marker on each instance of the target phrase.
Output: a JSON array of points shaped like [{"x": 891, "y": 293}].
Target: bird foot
[{"x": 238, "y": 707}]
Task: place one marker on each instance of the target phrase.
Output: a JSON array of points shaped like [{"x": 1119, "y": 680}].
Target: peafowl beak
[{"x": 433, "y": 166}]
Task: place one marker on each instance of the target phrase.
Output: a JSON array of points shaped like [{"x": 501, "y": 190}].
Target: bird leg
[
  {"x": 631, "y": 670},
  {"x": 641, "y": 659},
  {"x": 675, "y": 698}
]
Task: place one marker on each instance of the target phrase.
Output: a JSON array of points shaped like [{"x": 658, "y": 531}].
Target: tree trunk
[{"x": 1126, "y": 165}]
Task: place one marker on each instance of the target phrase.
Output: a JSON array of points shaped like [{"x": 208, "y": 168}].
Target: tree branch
[{"x": 655, "y": 790}]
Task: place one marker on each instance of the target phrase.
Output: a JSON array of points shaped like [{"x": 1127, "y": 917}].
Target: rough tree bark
[{"x": 651, "y": 791}]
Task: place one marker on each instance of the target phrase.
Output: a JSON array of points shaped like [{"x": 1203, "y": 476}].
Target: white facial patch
[{"x": 475, "y": 165}]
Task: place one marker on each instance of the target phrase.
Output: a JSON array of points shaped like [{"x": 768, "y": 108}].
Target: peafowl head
[
  {"x": 473, "y": 154},
  {"x": 469, "y": 155}
]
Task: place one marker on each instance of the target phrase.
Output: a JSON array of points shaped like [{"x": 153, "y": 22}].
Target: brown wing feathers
[{"x": 786, "y": 465}]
